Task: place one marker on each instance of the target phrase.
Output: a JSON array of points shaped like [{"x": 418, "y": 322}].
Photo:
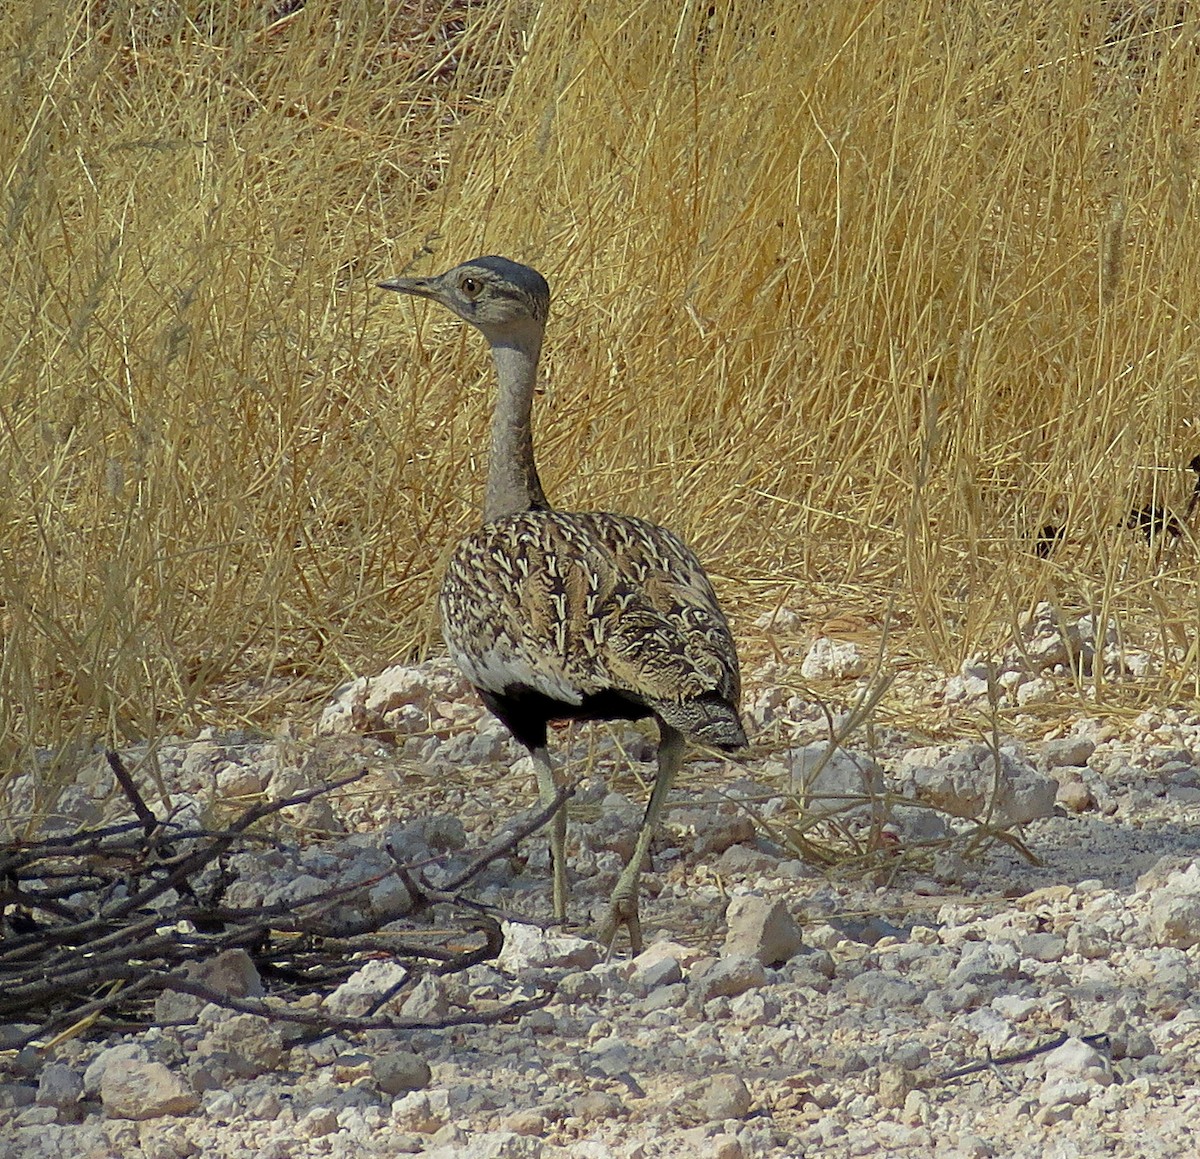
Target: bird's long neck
[{"x": 513, "y": 484}]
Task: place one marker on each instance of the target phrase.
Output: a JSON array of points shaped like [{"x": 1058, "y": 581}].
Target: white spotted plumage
[{"x": 572, "y": 603}]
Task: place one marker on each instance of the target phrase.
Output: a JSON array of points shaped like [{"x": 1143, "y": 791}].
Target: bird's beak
[{"x": 420, "y": 287}]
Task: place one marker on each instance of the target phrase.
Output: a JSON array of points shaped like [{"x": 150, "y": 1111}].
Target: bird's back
[{"x": 574, "y": 605}]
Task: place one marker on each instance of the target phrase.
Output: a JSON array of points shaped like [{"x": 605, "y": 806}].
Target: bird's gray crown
[{"x": 524, "y": 278}]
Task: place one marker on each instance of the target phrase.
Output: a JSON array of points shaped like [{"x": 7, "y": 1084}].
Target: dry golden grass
[{"x": 856, "y": 295}]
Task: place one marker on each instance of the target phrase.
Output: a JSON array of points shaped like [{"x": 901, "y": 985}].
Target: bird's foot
[{"x": 622, "y": 911}]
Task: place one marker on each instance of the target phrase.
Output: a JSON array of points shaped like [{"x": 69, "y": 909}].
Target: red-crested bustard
[{"x": 556, "y": 615}]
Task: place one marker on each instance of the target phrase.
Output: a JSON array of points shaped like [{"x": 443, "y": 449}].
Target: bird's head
[{"x": 507, "y": 301}]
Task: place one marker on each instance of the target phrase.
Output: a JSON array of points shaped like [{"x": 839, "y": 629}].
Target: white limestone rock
[
  {"x": 762, "y": 928},
  {"x": 830, "y": 659},
  {"x": 358, "y": 993},
  {"x": 529, "y": 947},
  {"x": 132, "y": 1089},
  {"x": 401, "y": 700},
  {"x": 967, "y": 783},
  {"x": 830, "y": 782}
]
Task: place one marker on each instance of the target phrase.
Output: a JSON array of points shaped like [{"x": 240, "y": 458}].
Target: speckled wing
[{"x": 571, "y": 604}]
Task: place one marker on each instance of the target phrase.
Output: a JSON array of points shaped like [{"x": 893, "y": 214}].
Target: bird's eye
[{"x": 470, "y": 286}]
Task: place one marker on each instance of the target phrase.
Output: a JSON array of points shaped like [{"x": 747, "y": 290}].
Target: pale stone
[
  {"x": 725, "y": 1096},
  {"x": 317, "y": 1123},
  {"x": 967, "y": 783},
  {"x": 400, "y": 1071},
  {"x": 1077, "y": 1059},
  {"x": 526, "y": 1123},
  {"x": 59, "y": 1086},
  {"x": 527, "y": 946},
  {"x": 131, "y": 1089},
  {"x": 830, "y": 659},
  {"x": 725, "y": 977},
  {"x": 760, "y": 928},
  {"x": 1072, "y": 751},
  {"x": 831, "y": 782},
  {"x": 422, "y": 1112},
  {"x": 895, "y": 1084},
  {"x": 1074, "y": 796},
  {"x": 359, "y": 993},
  {"x": 231, "y": 973},
  {"x": 1175, "y": 919},
  {"x": 686, "y": 956}
]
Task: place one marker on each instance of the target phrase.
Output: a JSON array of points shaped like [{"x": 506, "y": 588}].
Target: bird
[
  {"x": 1153, "y": 522},
  {"x": 558, "y": 615},
  {"x": 1156, "y": 522},
  {"x": 1193, "y": 465},
  {"x": 1048, "y": 538}
]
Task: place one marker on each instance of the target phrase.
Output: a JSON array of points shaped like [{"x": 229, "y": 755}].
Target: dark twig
[
  {"x": 1097, "y": 1040},
  {"x": 196, "y": 861},
  {"x": 77, "y": 1014},
  {"x": 212, "y": 846},
  {"x": 141, "y": 810},
  {"x": 102, "y": 957},
  {"x": 508, "y": 841},
  {"x": 17, "y": 854},
  {"x": 276, "y": 1011}
]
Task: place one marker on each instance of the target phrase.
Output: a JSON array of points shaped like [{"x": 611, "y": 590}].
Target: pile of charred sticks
[{"x": 95, "y": 924}]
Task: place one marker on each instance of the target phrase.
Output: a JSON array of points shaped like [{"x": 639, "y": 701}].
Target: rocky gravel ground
[{"x": 936, "y": 992}]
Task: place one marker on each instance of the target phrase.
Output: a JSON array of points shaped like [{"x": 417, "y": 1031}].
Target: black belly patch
[{"x": 527, "y": 712}]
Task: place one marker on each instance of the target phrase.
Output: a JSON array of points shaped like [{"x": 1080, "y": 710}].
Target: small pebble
[
  {"x": 132, "y": 1089},
  {"x": 725, "y": 977},
  {"x": 59, "y": 1086},
  {"x": 597, "y": 1106},
  {"x": 400, "y": 1071},
  {"x": 526, "y": 1123},
  {"x": 760, "y": 928},
  {"x": 725, "y": 1096}
]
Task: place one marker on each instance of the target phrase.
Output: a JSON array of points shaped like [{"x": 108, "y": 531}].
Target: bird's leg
[
  {"x": 548, "y": 784},
  {"x": 623, "y": 906}
]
